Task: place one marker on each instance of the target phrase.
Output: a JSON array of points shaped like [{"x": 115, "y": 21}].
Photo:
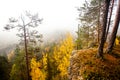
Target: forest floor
[{"x": 92, "y": 68}]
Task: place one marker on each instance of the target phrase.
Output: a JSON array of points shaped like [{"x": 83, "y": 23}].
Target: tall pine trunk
[
  {"x": 99, "y": 22},
  {"x": 109, "y": 19},
  {"x": 26, "y": 52},
  {"x": 114, "y": 31},
  {"x": 103, "y": 32}
]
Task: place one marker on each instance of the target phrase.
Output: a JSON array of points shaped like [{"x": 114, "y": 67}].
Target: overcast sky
[{"x": 57, "y": 15}]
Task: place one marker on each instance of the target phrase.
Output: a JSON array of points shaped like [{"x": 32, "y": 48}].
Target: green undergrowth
[{"x": 93, "y": 68}]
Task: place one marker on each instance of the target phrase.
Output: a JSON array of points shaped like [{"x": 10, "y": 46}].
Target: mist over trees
[
  {"x": 30, "y": 59},
  {"x": 25, "y": 35}
]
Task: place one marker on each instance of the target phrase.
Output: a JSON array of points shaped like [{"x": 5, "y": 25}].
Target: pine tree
[
  {"x": 109, "y": 18},
  {"x": 18, "y": 70},
  {"x": 114, "y": 31},
  {"x": 90, "y": 17},
  {"x": 104, "y": 25},
  {"x": 32, "y": 21}
]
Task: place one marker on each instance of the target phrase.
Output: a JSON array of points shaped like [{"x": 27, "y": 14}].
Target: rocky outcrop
[{"x": 74, "y": 73}]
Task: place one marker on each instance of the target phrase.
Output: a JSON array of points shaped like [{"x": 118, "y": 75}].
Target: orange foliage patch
[{"x": 93, "y": 68}]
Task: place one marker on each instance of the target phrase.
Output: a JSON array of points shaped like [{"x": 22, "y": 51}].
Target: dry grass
[{"x": 92, "y": 68}]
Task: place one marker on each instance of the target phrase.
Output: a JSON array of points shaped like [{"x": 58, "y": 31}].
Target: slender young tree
[
  {"x": 103, "y": 27},
  {"x": 23, "y": 24},
  {"x": 115, "y": 28}
]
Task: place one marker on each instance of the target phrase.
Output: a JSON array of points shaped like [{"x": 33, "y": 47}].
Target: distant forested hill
[{"x": 6, "y": 50}]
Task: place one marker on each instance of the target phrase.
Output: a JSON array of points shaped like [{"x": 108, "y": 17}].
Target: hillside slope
[{"x": 85, "y": 66}]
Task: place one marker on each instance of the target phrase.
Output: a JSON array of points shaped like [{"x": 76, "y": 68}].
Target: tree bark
[
  {"x": 26, "y": 52},
  {"x": 103, "y": 32},
  {"x": 99, "y": 21},
  {"x": 114, "y": 31},
  {"x": 109, "y": 19}
]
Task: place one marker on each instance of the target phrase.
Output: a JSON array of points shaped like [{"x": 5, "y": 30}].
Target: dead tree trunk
[
  {"x": 114, "y": 31},
  {"x": 104, "y": 20}
]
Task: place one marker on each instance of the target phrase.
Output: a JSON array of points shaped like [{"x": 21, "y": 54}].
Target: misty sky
[{"x": 57, "y": 15}]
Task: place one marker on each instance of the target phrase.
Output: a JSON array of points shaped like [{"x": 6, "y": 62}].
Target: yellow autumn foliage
[
  {"x": 36, "y": 73},
  {"x": 116, "y": 41},
  {"x": 60, "y": 60},
  {"x": 62, "y": 53},
  {"x": 44, "y": 61}
]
